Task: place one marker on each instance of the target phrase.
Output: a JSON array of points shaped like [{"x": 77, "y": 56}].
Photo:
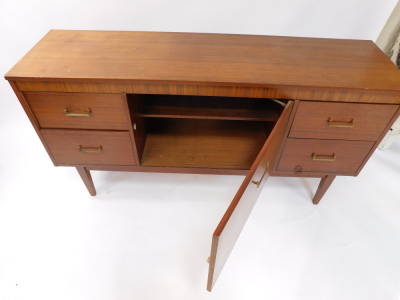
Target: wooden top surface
[{"x": 227, "y": 59}]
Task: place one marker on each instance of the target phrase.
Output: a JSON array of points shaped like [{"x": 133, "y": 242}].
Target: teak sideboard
[{"x": 258, "y": 106}]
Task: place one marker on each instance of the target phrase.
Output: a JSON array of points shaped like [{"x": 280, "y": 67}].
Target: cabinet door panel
[{"x": 234, "y": 219}]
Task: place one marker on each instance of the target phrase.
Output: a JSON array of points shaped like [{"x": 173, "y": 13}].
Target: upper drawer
[
  {"x": 345, "y": 121},
  {"x": 79, "y": 110}
]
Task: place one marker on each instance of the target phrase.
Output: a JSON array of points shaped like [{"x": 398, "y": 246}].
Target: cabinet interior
[{"x": 199, "y": 131}]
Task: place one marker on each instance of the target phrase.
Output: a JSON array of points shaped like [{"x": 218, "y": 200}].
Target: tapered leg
[
  {"x": 323, "y": 187},
  {"x": 87, "y": 180}
]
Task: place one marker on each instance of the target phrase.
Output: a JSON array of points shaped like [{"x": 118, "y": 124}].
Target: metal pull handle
[
  {"x": 90, "y": 149},
  {"x": 333, "y": 123},
  {"x": 324, "y": 157},
  {"x": 257, "y": 183},
  {"x": 85, "y": 113}
]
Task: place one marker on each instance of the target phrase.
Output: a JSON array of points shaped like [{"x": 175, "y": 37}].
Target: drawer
[
  {"x": 80, "y": 147},
  {"x": 344, "y": 121},
  {"x": 79, "y": 110},
  {"x": 328, "y": 156}
]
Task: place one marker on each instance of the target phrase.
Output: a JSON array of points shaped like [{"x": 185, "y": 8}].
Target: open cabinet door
[{"x": 235, "y": 217}]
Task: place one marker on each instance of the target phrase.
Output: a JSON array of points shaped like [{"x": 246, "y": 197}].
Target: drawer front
[
  {"x": 330, "y": 156},
  {"x": 344, "y": 121},
  {"x": 73, "y": 147},
  {"x": 79, "y": 110}
]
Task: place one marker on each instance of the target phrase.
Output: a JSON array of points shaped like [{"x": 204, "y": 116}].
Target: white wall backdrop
[{"x": 147, "y": 236}]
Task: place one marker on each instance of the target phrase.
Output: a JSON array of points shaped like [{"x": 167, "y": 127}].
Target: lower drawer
[
  {"x": 328, "y": 156},
  {"x": 81, "y": 147}
]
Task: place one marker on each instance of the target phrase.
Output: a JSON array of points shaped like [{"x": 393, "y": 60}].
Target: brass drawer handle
[
  {"x": 324, "y": 157},
  {"x": 348, "y": 124},
  {"x": 257, "y": 183},
  {"x": 90, "y": 149},
  {"x": 85, "y": 113}
]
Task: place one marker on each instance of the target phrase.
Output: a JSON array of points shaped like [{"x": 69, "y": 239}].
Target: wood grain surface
[
  {"x": 215, "y": 89},
  {"x": 112, "y": 73},
  {"x": 223, "y": 108},
  {"x": 235, "y": 217},
  {"x": 107, "y": 111},
  {"x": 202, "y": 143},
  {"x": 367, "y": 120},
  {"x": 207, "y": 58},
  {"x": 64, "y": 145},
  {"x": 297, "y": 154}
]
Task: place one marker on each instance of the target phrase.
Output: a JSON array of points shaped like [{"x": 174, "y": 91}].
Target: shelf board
[
  {"x": 209, "y": 113},
  {"x": 202, "y": 143},
  {"x": 195, "y": 107}
]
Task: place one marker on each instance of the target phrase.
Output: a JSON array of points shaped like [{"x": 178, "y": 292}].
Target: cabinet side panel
[
  {"x": 387, "y": 128},
  {"x": 31, "y": 117}
]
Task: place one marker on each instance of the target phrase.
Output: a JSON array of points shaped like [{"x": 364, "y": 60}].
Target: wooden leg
[
  {"x": 87, "y": 180},
  {"x": 323, "y": 187}
]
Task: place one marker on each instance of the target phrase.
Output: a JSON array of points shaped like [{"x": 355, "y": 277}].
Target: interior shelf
[
  {"x": 195, "y": 107},
  {"x": 200, "y": 131},
  {"x": 202, "y": 143}
]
